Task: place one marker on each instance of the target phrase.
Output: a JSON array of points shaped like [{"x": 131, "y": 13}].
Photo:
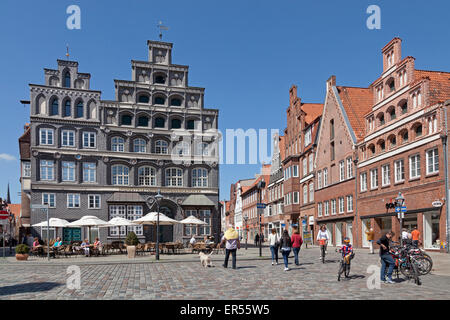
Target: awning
[
  {"x": 125, "y": 197},
  {"x": 197, "y": 200}
]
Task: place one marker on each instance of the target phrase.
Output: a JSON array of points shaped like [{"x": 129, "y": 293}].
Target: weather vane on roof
[
  {"x": 161, "y": 28},
  {"x": 67, "y": 51}
]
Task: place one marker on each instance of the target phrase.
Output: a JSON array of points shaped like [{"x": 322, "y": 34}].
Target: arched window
[
  {"x": 120, "y": 175},
  {"x": 372, "y": 149},
  {"x": 182, "y": 148},
  {"x": 191, "y": 124},
  {"x": 117, "y": 144},
  {"x": 160, "y": 122},
  {"x": 176, "y": 102},
  {"x": 79, "y": 110},
  {"x": 41, "y": 105},
  {"x": 143, "y": 121},
  {"x": 391, "y": 111},
  {"x": 176, "y": 123},
  {"x": 160, "y": 100},
  {"x": 161, "y": 147},
  {"x": 160, "y": 79},
  {"x": 54, "y": 109},
  {"x": 67, "y": 108},
  {"x": 140, "y": 145},
  {"x": 143, "y": 98},
  {"x": 391, "y": 85},
  {"x": 147, "y": 176},
  {"x": 126, "y": 120},
  {"x": 199, "y": 177},
  {"x": 382, "y": 145},
  {"x": 404, "y": 135},
  {"x": 381, "y": 118},
  {"x": 174, "y": 177},
  {"x": 404, "y": 107},
  {"x": 418, "y": 130},
  {"x": 67, "y": 79},
  {"x": 392, "y": 141}
]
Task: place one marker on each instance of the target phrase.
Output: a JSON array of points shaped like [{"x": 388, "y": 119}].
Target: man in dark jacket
[
  {"x": 386, "y": 258},
  {"x": 256, "y": 239}
]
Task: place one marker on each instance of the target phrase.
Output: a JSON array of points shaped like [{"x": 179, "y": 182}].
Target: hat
[{"x": 231, "y": 234}]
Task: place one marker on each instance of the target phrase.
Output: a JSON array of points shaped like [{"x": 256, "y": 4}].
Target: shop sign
[
  {"x": 437, "y": 204},
  {"x": 311, "y": 220}
]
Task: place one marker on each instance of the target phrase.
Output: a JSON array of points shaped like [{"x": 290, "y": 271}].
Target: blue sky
[{"x": 245, "y": 53}]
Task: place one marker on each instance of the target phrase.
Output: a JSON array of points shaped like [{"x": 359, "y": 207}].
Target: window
[
  {"x": 341, "y": 170},
  {"x": 191, "y": 124},
  {"x": 67, "y": 79},
  {"x": 404, "y": 135},
  {"x": 26, "y": 169},
  {"x": 190, "y": 230},
  {"x": 373, "y": 178},
  {"x": 332, "y": 151},
  {"x": 432, "y": 124},
  {"x": 319, "y": 209},
  {"x": 350, "y": 203},
  {"x": 160, "y": 80},
  {"x": 143, "y": 121},
  {"x": 182, "y": 148},
  {"x": 432, "y": 161},
  {"x": 117, "y": 211},
  {"x": 79, "y": 110},
  {"x": 93, "y": 201},
  {"x": 404, "y": 107},
  {"x": 385, "y": 175},
  {"x": 140, "y": 145},
  {"x": 310, "y": 162},
  {"x": 381, "y": 119},
  {"x": 199, "y": 177},
  {"x": 393, "y": 142},
  {"x": 349, "y": 168},
  {"x": 399, "y": 168},
  {"x": 68, "y": 171},
  {"x": 176, "y": 123},
  {"x": 160, "y": 100},
  {"x": 319, "y": 179},
  {"x": 48, "y": 199},
  {"x": 331, "y": 129},
  {"x": 160, "y": 122},
  {"x": 333, "y": 206},
  {"x": 161, "y": 147},
  {"x": 202, "y": 149},
  {"x": 174, "y": 177},
  {"x": 308, "y": 136},
  {"x": 147, "y": 176},
  {"x": 143, "y": 98},
  {"x": 325, "y": 177},
  {"x": 126, "y": 120},
  {"x": 392, "y": 85},
  {"x": 305, "y": 194},
  {"x": 135, "y": 212},
  {"x": 117, "y": 144},
  {"x": 326, "y": 206},
  {"x": 363, "y": 181},
  {"x": 89, "y": 139},
  {"x": 89, "y": 172},
  {"x": 341, "y": 204},
  {"x": 392, "y": 114},
  {"x": 382, "y": 145},
  {"x": 46, "y": 136},
  {"x": 47, "y": 170},
  {"x": 68, "y": 138},
  {"x": 67, "y": 108},
  {"x": 120, "y": 175},
  {"x": 175, "y": 102},
  {"x": 296, "y": 195},
  {"x": 414, "y": 166},
  {"x": 311, "y": 191},
  {"x": 205, "y": 216},
  {"x": 73, "y": 200}
]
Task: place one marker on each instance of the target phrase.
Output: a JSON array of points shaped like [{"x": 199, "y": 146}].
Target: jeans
[
  {"x": 296, "y": 251},
  {"x": 274, "y": 251},
  {"x": 371, "y": 246},
  {"x": 286, "y": 256},
  {"x": 386, "y": 259},
  {"x": 415, "y": 243},
  {"x": 227, "y": 255}
]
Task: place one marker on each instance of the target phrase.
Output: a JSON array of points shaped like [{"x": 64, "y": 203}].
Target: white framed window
[
  {"x": 296, "y": 197},
  {"x": 68, "y": 171},
  {"x": 319, "y": 209},
  {"x": 190, "y": 230},
  {"x": 399, "y": 167},
  {"x": 333, "y": 206},
  {"x": 326, "y": 206},
  {"x": 89, "y": 140},
  {"x": 350, "y": 203},
  {"x": 120, "y": 175},
  {"x": 49, "y": 199},
  {"x": 117, "y": 144},
  {"x": 89, "y": 172},
  {"x": 147, "y": 176},
  {"x": 308, "y": 136},
  {"x": 117, "y": 211},
  {"x": 341, "y": 204},
  {"x": 73, "y": 200},
  {"x": 47, "y": 170},
  {"x": 94, "y": 201},
  {"x": 202, "y": 149},
  {"x": 319, "y": 179},
  {"x": 341, "y": 170},
  {"x": 46, "y": 136},
  {"x": 363, "y": 181},
  {"x": 310, "y": 162},
  {"x": 205, "y": 216},
  {"x": 311, "y": 192},
  {"x": 199, "y": 177},
  {"x": 414, "y": 166},
  {"x": 432, "y": 161},
  {"x": 325, "y": 177},
  {"x": 68, "y": 138},
  {"x": 349, "y": 168},
  {"x": 385, "y": 175},
  {"x": 161, "y": 147},
  {"x": 305, "y": 194},
  {"x": 26, "y": 166},
  {"x": 182, "y": 148},
  {"x": 174, "y": 177},
  {"x": 135, "y": 212},
  {"x": 139, "y": 145},
  {"x": 373, "y": 178},
  {"x": 305, "y": 166}
]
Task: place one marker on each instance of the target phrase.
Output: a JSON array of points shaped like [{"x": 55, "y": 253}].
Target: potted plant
[
  {"x": 131, "y": 241},
  {"x": 22, "y": 252}
]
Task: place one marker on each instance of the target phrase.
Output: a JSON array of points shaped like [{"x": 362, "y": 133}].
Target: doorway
[
  {"x": 349, "y": 232},
  {"x": 431, "y": 230},
  {"x": 339, "y": 234},
  {"x": 365, "y": 225}
]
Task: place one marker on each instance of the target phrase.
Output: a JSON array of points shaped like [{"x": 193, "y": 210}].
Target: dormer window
[{"x": 67, "y": 79}]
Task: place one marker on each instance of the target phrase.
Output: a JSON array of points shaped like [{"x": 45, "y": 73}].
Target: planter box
[{"x": 21, "y": 256}]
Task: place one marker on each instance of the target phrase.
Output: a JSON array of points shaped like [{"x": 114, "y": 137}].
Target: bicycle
[
  {"x": 423, "y": 260},
  {"x": 406, "y": 263},
  {"x": 344, "y": 268}
]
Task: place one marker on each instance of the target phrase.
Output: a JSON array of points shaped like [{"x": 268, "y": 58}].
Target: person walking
[
  {"x": 386, "y": 258},
  {"x": 286, "y": 246},
  {"x": 415, "y": 236},
  {"x": 322, "y": 236},
  {"x": 370, "y": 235},
  {"x": 256, "y": 239},
  {"x": 232, "y": 244},
  {"x": 297, "y": 242},
  {"x": 274, "y": 241}
]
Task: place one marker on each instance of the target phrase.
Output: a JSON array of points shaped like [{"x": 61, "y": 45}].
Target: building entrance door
[
  {"x": 339, "y": 234},
  {"x": 350, "y": 232},
  {"x": 431, "y": 230},
  {"x": 365, "y": 227},
  {"x": 166, "y": 232}
]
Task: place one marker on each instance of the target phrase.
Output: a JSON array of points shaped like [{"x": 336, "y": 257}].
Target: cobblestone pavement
[{"x": 254, "y": 279}]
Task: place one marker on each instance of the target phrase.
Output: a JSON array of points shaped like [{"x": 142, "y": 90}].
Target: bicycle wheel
[
  {"x": 424, "y": 265},
  {"x": 405, "y": 269},
  {"x": 341, "y": 270},
  {"x": 347, "y": 270},
  {"x": 323, "y": 254},
  {"x": 415, "y": 273}
]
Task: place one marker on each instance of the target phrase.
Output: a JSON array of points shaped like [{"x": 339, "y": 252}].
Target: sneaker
[
  {"x": 390, "y": 281},
  {"x": 286, "y": 269},
  {"x": 273, "y": 263},
  {"x": 224, "y": 266},
  {"x": 276, "y": 263}
]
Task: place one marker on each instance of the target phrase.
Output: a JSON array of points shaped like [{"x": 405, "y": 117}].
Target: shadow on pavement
[
  {"x": 28, "y": 287},
  {"x": 356, "y": 276},
  {"x": 246, "y": 267}
]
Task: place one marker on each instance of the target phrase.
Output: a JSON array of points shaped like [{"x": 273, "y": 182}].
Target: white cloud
[{"x": 7, "y": 157}]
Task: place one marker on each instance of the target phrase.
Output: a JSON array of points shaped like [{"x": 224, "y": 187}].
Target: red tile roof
[
  {"x": 439, "y": 84},
  {"x": 312, "y": 110}
]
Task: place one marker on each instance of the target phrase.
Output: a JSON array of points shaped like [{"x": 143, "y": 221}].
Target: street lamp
[
  {"x": 261, "y": 185},
  {"x": 399, "y": 201},
  {"x": 246, "y": 231},
  {"x": 10, "y": 218},
  {"x": 157, "y": 198}
]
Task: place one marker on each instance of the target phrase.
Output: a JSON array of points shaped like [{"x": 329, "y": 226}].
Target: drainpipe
[
  {"x": 445, "y": 149},
  {"x": 356, "y": 198}
]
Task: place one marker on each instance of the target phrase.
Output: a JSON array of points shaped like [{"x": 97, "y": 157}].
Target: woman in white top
[
  {"x": 323, "y": 235},
  {"x": 273, "y": 242}
]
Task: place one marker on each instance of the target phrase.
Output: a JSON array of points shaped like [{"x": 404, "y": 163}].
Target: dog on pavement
[{"x": 205, "y": 259}]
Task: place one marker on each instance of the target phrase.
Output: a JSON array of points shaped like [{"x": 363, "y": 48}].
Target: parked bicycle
[
  {"x": 406, "y": 263},
  {"x": 424, "y": 261}
]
